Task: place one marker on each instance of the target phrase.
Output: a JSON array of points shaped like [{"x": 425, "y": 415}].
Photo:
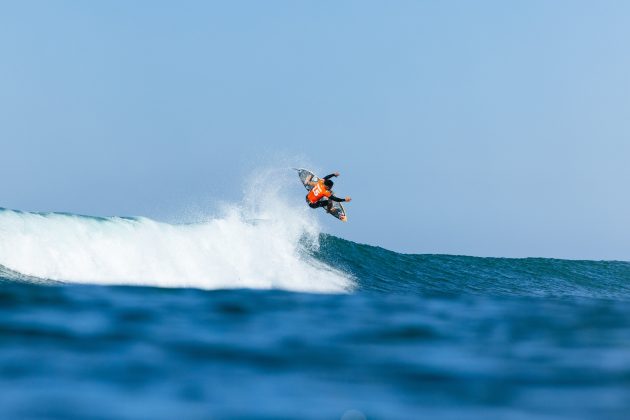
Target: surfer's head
[{"x": 328, "y": 183}]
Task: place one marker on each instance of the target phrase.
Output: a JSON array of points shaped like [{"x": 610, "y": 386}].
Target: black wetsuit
[{"x": 325, "y": 202}]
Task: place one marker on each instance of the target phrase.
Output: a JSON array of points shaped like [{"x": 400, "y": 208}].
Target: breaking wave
[{"x": 265, "y": 245}]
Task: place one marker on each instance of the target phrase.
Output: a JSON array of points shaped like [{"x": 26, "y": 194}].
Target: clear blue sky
[{"x": 487, "y": 128}]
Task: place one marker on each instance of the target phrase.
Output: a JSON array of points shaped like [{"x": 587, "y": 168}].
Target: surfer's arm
[
  {"x": 339, "y": 200},
  {"x": 331, "y": 175}
]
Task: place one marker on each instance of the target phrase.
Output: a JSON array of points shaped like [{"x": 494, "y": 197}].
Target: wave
[
  {"x": 281, "y": 249},
  {"x": 270, "y": 243}
]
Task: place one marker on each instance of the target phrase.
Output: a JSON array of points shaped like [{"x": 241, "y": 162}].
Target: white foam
[{"x": 224, "y": 252}]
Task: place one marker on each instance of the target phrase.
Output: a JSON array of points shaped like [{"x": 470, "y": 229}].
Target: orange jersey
[{"x": 319, "y": 191}]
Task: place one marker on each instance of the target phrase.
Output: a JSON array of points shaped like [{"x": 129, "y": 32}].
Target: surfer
[{"x": 321, "y": 195}]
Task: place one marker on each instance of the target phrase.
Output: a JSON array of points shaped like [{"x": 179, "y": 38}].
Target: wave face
[{"x": 377, "y": 269}]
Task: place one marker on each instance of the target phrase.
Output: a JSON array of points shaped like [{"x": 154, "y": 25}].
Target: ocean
[{"x": 247, "y": 316}]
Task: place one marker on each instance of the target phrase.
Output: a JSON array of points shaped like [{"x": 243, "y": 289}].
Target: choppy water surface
[{"x": 401, "y": 337}]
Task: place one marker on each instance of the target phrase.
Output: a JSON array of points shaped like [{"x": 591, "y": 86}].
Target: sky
[{"x": 486, "y": 128}]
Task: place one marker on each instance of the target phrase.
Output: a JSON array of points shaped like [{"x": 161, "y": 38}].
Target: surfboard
[{"x": 307, "y": 176}]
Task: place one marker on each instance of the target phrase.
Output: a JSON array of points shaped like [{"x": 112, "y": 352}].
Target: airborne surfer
[{"x": 322, "y": 195}]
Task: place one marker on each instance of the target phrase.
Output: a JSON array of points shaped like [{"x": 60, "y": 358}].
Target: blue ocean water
[{"x": 135, "y": 319}]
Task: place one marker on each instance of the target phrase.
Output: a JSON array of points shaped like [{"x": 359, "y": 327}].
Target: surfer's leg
[
  {"x": 321, "y": 203},
  {"x": 329, "y": 205},
  {"x": 313, "y": 205}
]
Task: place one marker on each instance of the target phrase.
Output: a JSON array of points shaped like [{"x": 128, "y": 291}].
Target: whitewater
[{"x": 262, "y": 244}]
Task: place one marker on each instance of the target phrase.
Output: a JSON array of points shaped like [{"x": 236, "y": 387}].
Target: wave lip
[{"x": 221, "y": 253}]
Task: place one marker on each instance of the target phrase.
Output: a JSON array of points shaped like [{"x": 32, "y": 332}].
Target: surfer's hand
[
  {"x": 336, "y": 174},
  {"x": 348, "y": 199}
]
